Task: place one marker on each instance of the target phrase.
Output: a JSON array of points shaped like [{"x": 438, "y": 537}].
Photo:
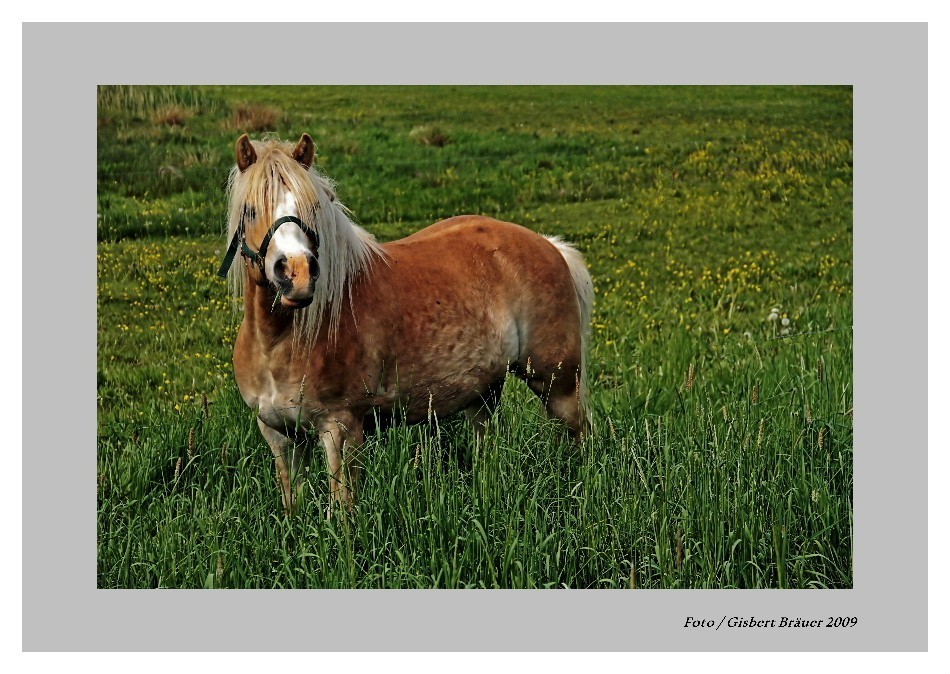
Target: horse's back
[
  {"x": 461, "y": 227},
  {"x": 476, "y": 240},
  {"x": 493, "y": 271},
  {"x": 489, "y": 257}
]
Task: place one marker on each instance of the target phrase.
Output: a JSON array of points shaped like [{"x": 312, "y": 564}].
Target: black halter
[{"x": 258, "y": 257}]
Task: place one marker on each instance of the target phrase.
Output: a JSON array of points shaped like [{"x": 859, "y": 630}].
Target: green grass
[{"x": 722, "y": 452}]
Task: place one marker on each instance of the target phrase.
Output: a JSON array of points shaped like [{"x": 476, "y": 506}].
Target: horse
[{"x": 339, "y": 329}]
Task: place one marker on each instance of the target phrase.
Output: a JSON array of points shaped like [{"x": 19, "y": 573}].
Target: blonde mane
[{"x": 346, "y": 250}]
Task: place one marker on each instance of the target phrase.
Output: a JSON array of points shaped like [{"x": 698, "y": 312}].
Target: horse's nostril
[{"x": 280, "y": 268}]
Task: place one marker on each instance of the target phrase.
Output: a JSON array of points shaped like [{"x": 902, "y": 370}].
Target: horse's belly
[{"x": 456, "y": 375}]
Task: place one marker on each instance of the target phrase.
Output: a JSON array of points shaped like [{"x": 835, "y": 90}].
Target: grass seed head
[{"x": 679, "y": 548}]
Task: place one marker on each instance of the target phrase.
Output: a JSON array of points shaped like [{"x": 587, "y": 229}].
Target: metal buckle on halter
[{"x": 258, "y": 257}]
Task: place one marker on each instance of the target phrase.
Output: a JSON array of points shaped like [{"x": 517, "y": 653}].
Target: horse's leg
[
  {"x": 479, "y": 413},
  {"x": 342, "y": 437},
  {"x": 289, "y": 458},
  {"x": 353, "y": 458},
  {"x": 561, "y": 391},
  {"x": 566, "y": 405}
]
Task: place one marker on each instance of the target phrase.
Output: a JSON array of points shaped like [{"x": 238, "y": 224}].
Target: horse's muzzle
[
  {"x": 295, "y": 304},
  {"x": 295, "y": 278}
]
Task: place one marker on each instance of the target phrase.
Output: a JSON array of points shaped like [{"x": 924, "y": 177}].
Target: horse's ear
[
  {"x": 303, "y": 153},
  {"x": 245, "y": 153}
]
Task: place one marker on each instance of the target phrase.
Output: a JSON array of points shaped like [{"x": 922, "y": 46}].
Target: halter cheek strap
[{"x": 258, "y": 257}]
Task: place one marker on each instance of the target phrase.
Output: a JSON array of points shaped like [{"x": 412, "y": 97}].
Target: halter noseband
[{"x": 258, "y": 257}]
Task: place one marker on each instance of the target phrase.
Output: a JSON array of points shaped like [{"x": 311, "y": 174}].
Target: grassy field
[{"x": 717, "y": 225}]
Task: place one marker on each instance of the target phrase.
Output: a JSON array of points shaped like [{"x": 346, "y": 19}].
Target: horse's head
[
  {"x": 277, "y": 219},
  {"x": 295, "y": 236}
]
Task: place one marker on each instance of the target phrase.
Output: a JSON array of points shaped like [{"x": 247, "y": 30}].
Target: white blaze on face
[{"x": 289, "y": 239}]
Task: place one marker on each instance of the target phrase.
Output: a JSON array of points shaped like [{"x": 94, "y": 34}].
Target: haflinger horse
[{"x": 340, "y": 330}]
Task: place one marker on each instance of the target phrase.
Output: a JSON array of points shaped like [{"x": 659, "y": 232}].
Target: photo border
[{"x": 63, "y": 609}]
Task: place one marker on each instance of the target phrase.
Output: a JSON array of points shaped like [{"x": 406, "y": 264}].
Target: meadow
[{"x": 717, "y": 226}]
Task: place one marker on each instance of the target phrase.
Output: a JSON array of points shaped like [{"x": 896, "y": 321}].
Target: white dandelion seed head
[
  {"x": 786, "y": 322},
  {"x": 773, "y": 316}
]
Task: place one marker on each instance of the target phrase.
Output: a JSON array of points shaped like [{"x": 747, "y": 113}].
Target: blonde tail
[{"x": 584, "y": 287}]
